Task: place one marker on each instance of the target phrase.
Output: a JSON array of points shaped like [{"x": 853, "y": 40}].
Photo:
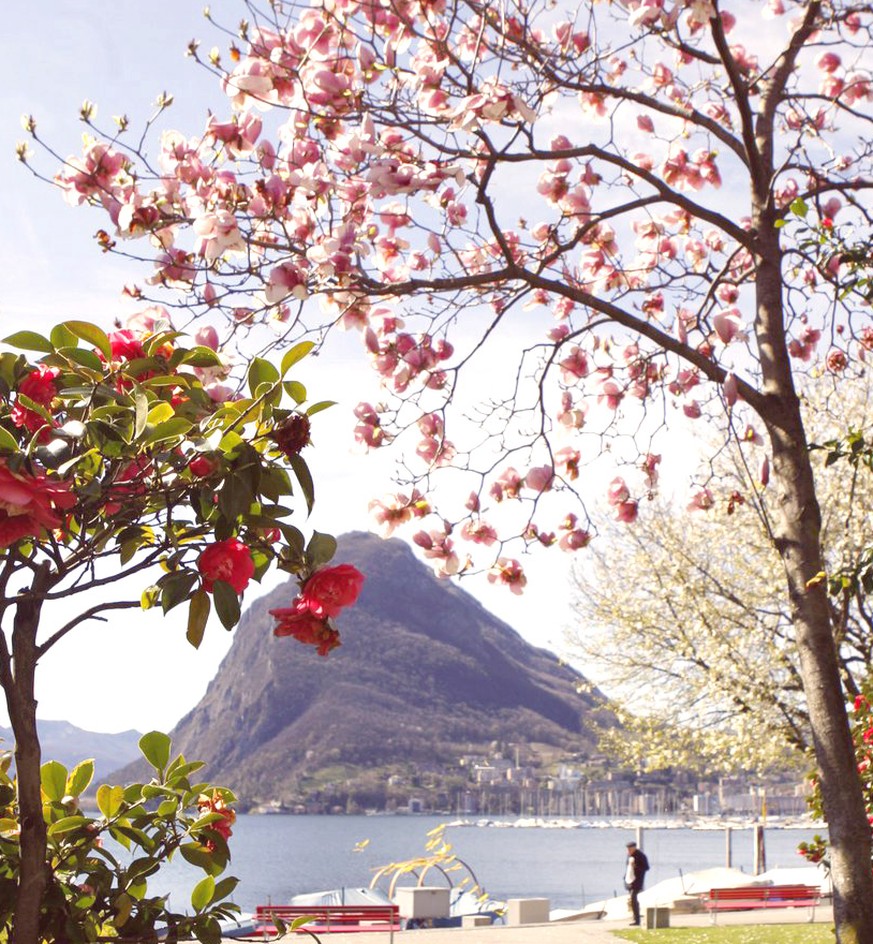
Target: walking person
[{"x": 635, "y": 875}]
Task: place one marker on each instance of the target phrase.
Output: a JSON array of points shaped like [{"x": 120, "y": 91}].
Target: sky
[{"x": 136, "y": 670}]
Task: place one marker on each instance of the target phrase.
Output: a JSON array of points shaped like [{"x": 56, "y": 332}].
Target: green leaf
[
  {"x": 160, "y": 413},
  {"x": 67, "y": 824},
  {"x": 226, "y": 603},
  {"x": 53, "y": 779},
  {"x": 320, "y": 549},
  {"x": 155, "y": 747},
  {"x": 202, "y": 894},
  {"x": 62, "y": 337},
  {"x": 225, "y": 887},
  {"x": 295, "y": 354},
  {"x": 199, "y": 855},
  {"x": 175, "y": 588},
  {"x": 173, "y": 429},
  {"x": 29, "y": 341},
  {"x": 142, "y": 411},
  {"x": 301, "y": 470},
  {"x": 8, "y": 442},
  {"x": 198, "y": 615},
  {"x": 84, "y": 357},
  {"x": 92, "y": 334},
  {"x": 261, "y": 372},
  {"x": 207, "y": 930},
  {"x": 201, "y": 357},
  {"x": 109, "y": 800},
  {"x": 318, "y": 407},
  {"x": 295, "y": 390},
  {"x": 80, "y": 778}
]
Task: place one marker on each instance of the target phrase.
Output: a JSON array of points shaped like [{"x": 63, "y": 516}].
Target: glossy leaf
[
  {"x": 53, "y": 779},
  {"x": 295, "y": 354},
  {"x": 198, "y": 616},
  {"x": 304, "y": 477},
  {"x": 8, "y": 443},
  {"x": 155, "y": 747},
  {"x": 318, "y": 407},
  {"x": 109, "y": 800},
  {"x": 320, "y": 550},
  {"x": 261, "y": 372},
  {"x": 67, "y": 825},
  {"x": 226, "y": 604},
  {"x": 92, "y": 334},
  {"x": 80, "y": 778},
  {"x": 29, "y": 341},
  {"x": 202, "y": 893},
  {"x": 172, "y": 429}
]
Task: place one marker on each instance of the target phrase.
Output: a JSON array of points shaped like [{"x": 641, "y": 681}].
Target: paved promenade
[{"x": 570, "y": 932}]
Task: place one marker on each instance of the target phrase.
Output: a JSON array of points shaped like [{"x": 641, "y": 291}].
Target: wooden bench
[
  {"x": 761, "y": 896},
  {"x": 327, "y": 919}
]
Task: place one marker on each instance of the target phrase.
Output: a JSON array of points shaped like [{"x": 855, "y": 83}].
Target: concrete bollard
[
  {"x": 527, "y": 911},
  {"x": 475, "y": 921}
]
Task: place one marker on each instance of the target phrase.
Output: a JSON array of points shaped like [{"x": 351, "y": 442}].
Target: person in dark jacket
[{"x": 635, "y": 875}]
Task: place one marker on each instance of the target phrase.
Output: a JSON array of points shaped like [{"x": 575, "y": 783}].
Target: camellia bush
[
  {"x": 122, "y": 464},
  {"x": 564, "y": 232},
  {"x": 100, "y": 866}
]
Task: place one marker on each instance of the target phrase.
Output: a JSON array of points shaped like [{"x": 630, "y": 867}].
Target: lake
[{"x": 278, "y": 856}]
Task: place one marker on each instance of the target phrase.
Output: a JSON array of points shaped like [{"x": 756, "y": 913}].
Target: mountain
[
  {"x": 62, "y": 741},
  {"x": 424, "y": 675}
]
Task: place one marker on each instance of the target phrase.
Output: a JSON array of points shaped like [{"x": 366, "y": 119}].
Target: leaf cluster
[
  {"x": 125, "y": 436},
  {"x": 100, "y": 866}
]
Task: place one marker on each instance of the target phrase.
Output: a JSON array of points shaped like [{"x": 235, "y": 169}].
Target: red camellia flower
[
  {"x": 330, "y": 589},
  {"x": 39, "y": 385},
  {"x": 230, "y": 561},
  {"x": 214, "y": 803},
  {"x": 298, "y": 622},
  {"x": 203, "y": 466},
  {"x": 28, "y": 504},
  {"x": 125, "y": 345}
]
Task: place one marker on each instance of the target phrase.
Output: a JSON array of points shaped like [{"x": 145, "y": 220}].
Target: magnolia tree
[
  {"x": 699, "y": 649},
  {"x": 117, "y": 462},
  {"x": 592, "y": 221}
]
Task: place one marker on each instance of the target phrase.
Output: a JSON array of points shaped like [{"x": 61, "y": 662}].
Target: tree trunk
[
  {"x": 21, "y": 703},
  {"x": 797, "y": 535}
]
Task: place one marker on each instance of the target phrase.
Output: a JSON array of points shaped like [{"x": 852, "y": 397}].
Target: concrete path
[{"x": 567, "y": 932}]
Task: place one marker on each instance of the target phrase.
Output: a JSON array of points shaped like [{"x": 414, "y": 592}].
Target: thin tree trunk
[{"x": 21, "y": 702}]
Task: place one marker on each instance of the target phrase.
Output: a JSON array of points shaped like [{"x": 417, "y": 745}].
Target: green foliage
[
  {"x": 159, "y": 469},
  {"x": 861, "y": 719},
  {"x": 94, "y": 889}
]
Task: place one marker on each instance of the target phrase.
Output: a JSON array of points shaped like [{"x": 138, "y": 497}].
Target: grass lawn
[{"x": 748, "y": 934}]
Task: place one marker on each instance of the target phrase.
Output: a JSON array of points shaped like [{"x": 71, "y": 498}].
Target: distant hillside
[
  {"x": 62, "y": 741},
  {"x": 424, "y": 674}
]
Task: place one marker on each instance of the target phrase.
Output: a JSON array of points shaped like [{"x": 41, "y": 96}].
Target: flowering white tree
[
  {"x": 699, "y": 648},
  {"x": 614, "y": 201}
]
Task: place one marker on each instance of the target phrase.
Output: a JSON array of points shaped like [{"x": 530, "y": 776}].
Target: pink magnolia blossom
[
  {"x": 479, "y": 532},
  {"x": 649, "y": 466},
  {"x": 701, "y": 500},
  {"x": 439, "y": 548},
  {"x": 508, "y": 485},
  {"x": 540, "y": 479},
  {"x": 508, "y": 572}
]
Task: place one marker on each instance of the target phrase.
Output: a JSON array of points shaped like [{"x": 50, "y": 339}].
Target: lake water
[{"x": 277, "y": 856}]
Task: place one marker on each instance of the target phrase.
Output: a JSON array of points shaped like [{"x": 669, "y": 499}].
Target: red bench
[
  {"x": 327, "y": 919},
  {"x": 761, "y": 896}
]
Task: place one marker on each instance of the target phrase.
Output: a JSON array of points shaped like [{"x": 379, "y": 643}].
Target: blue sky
[{"x": 138, "y": 671}]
